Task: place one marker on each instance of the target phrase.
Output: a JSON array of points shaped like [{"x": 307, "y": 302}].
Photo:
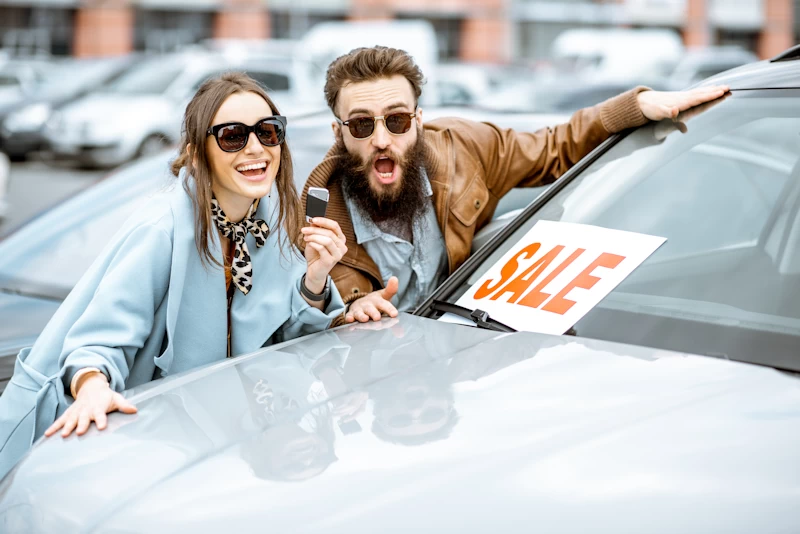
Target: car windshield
[
  {"x": 726, "y": 195},
  {"x": 48, "y": 255},
  {"x": 78, "y": 75}
]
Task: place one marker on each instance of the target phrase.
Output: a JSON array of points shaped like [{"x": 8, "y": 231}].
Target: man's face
[{"x": 382, "y": 152}]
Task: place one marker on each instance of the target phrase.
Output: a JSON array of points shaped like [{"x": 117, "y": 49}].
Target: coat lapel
[{"x": 197, "y": 305}]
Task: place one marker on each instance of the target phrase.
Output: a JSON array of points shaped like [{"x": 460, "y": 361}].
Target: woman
[{"x": 205, "y": 270}]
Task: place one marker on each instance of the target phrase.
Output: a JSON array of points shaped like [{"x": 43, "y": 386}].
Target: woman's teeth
[{"x": 253, "y": 167}]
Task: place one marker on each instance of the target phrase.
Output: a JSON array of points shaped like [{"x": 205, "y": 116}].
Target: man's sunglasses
[
  {"x": 364, "y": 127},
  {"x": 233, "y": 136}
]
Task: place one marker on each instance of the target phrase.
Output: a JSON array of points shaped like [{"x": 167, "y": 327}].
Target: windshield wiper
[{"x": 479, "y": 317}]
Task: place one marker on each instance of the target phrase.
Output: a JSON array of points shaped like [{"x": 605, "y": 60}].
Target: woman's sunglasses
[
  {"x": 364, "y": 127},
  {"x": 233, "y": 136}
]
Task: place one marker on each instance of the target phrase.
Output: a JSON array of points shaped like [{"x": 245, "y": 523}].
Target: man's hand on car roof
[{"x": 659, "y": 105}]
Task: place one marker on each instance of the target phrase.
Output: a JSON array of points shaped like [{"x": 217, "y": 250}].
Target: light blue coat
[{"x": 147, "y": 308}]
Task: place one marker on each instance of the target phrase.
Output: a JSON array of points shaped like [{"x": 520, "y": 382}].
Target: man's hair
[{"x": 370, "y": 64}]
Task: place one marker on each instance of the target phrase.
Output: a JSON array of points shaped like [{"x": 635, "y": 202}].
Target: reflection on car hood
[
  {"x": 456, "y": 429},
  {"x": 22, "y": 318}
]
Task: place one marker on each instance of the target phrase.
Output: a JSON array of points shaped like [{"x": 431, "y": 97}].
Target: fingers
[
  {"x": 329, "y": 224},
  {"x": 69, "y": 424},
  {"x": 100, "y": 419},
  {"x": 123, "y": 405},
  {"x": 84, "y": 419},
  {"x": 313, "y": 230},
  {"x": 58, "y": 424},
  {"x": 384, "y": 306},
  {"x": 336, "y": 247},
  {"x": 391, "y": 288},
  {"x": 371, "y": 311},
  {"x": 324, "y": 255}
]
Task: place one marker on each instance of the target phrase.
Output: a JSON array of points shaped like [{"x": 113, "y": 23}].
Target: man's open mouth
[{"x": 385, "y": 169}]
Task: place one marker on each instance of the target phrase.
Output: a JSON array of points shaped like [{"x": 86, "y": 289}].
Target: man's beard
[{"x": 396, "y": 207}]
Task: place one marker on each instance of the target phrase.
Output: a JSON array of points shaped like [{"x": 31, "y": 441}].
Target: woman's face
[{"x": 237, "y": 178}]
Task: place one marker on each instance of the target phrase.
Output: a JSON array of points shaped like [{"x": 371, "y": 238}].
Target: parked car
[
  {"x": 701, "y": 63},
  {"x": 679, "y": 391},
  {"x": 140, "y": 112},
  {"x": 20, "y": 77},
  {"x": 22, "y": 122}
]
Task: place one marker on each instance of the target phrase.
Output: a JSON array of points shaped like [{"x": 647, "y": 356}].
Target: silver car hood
[{"x": 458, "y": 429}]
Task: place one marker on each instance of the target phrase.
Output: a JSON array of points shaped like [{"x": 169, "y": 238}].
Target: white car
[{"x": 140, "y": 113}]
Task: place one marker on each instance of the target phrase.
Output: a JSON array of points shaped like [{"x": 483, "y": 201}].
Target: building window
[
  {"x": 165, "y": 31},
  {"x": 295, "y": 23},
  {"x": 37, "y": 30}
]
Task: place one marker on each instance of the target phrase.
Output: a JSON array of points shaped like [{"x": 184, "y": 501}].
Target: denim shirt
[{"x": 419, "y": 267}]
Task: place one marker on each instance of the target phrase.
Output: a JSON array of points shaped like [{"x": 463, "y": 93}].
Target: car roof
[{"x": 774, "y": 73}]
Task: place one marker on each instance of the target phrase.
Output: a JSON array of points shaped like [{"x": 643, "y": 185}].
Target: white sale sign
[{"x": 557, "y": 273}]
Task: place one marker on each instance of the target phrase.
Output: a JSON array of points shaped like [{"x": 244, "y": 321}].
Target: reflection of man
[
  {"x": 415, "y": 408},
  {"x": 288, "y": 392},
  {"x": 410, "y": 199},
  {"x": 411, "y": 371}
]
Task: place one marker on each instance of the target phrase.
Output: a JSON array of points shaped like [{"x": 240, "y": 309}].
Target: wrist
[
  {"x": 314, "y": 286},
  {"x": 90, "y": 380}
]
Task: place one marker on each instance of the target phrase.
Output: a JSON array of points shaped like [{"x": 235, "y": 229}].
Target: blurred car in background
[
  {"x": 326, "y": 41},
  {"x": 20, "y": 80},
  {"x": 22, "y": 122},
  {"x": 621, "y": 55},
  {"x": 564, "y": 95},
  {"x": 701, "y": 63},
  {"x": 679, "y": 391},
  {"x": 140, "y": 113}
]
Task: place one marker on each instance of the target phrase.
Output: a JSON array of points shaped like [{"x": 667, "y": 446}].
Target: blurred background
[{"x": 87, "y": 86}]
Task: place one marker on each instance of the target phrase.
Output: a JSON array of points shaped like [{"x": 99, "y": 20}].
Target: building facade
[{"x": 471, "y": 30}]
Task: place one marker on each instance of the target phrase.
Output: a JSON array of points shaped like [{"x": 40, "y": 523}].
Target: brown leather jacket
[{"x": 471, "y": 166}]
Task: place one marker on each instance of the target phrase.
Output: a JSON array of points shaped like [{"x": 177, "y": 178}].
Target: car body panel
[
  {"x": 23, "y": 318},
  {"x": 552, "y": 433},
  {"x": 761, "y": 75}
]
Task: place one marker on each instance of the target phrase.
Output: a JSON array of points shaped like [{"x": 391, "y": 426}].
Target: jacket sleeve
[
  {"x": 119, "y": 318},
  {"x": 521, "y": 159},
  {"x": 307, "y": 319}
]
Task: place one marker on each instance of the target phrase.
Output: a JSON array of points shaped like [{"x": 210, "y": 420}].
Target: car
[
  {"x": 140, "y": 113},
  {"x": 22, "y": 123},
  {"x": 677, "y": 392},
  {"x": 701, "y": 63}
]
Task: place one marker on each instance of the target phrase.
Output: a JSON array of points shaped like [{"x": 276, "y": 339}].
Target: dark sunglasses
[
  {"x": 430, "y": 415},
  {"x": 364, "y": 127},
  {"x": 233, "y": 136}
]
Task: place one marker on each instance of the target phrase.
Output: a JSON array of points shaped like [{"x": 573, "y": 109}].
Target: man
[{"x": 409, "y": 198}]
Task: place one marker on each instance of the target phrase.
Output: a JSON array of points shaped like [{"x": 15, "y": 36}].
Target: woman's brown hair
[{"x": 196, "y": 122}]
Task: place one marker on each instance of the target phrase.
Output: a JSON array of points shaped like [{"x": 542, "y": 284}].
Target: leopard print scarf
[{"x": 241, "y": 268}]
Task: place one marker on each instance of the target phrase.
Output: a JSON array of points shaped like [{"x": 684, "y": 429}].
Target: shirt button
[{"x": 477, "y": 204}]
